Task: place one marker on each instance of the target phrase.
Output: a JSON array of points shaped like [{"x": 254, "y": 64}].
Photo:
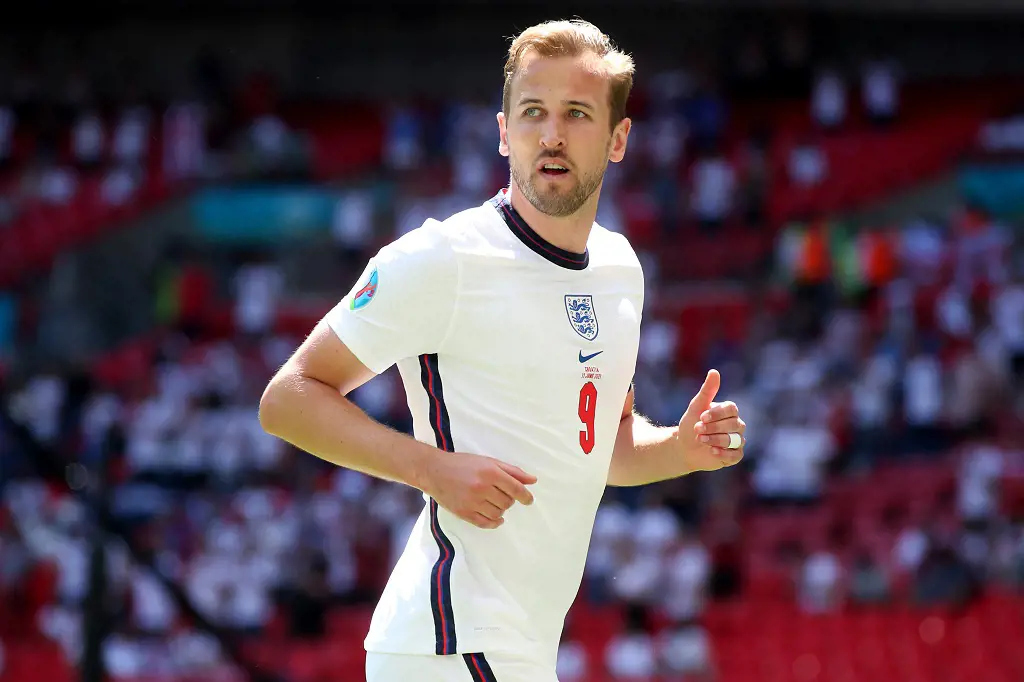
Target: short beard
[{"x": 559, "y": 205}]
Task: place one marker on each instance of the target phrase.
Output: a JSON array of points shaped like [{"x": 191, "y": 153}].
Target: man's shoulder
[{"x": 611, "y": 248}]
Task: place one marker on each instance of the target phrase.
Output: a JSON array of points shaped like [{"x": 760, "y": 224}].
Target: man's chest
[{"x": 538, "y": 336}]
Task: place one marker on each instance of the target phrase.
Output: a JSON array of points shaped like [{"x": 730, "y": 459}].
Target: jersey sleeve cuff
[{"x": 360, "y": 347}]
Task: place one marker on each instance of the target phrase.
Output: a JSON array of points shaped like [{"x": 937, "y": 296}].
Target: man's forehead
[{"x": 573, "y": 77}]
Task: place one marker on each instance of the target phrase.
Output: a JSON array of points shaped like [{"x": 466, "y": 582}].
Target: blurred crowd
[{"x": 863, "y": 349}]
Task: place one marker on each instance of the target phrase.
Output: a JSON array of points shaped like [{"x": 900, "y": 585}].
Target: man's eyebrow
[{"x": 570, "y": 102}]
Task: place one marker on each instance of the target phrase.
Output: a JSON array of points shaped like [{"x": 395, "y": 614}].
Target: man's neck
[{"x": 570, "y": 233}]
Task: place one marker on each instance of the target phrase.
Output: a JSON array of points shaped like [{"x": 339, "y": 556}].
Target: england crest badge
[{"x": 582, "y": 316}]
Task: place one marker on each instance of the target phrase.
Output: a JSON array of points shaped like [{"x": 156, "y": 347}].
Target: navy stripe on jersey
[
  {"x": 536, "y": 243},
  {"x": 445, "y": 642},
  {"x": 478, "y": 668}
]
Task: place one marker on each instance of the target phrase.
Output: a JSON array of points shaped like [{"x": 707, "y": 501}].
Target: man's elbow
[{"x": 271, "y": 406}]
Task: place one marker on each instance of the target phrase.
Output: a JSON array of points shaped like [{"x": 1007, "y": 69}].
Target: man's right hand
[{"x": 477, "y": 489}]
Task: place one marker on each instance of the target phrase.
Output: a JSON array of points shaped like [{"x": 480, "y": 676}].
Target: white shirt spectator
[
  {"x": 819, "y": 582},
  {"x": 1008, "y": 316},
  {"x": 808, "y": 165},
  {"x": 658, "y": 340},
  {"x": 714, "y": 181},
  {"x": 909, "y": 550},
  {"x": 193, "y": 652},
  {"x": 184, "y": 131},
  {"x": 871, "y": 405},
  {"x": 269, "y": 135},
  {"x": 953, "y": 313},
  {"x": 828, "y": 99},
  {"x": 981, "y": 468},
  {"x": 666, "y": 137},
  {"x": 924, "y": 396},
  {"x": 793, "y": 461},
  {"x": 685, "y": 651},
  {"x": 353, "y": 219},
  {"x": 472, "y": 172},
  {"x": 131, "y": 136},
  {"x": 153, "y": 610},
  {"x": 38, "y": 406},
  {"x": 124, "y": 657},
  {"x": 631, "y": 657},
  {"x": 879, "y": 89},
  {"x": 257, "y": 288},
  {"x": 687, "y": 573},
  {"x": 57, "y": 185},
  {"x": 119, "y": 185},
  {"x": 87, "y": 138},
  {"x": 571, "y": 665},
  {"x": 654, "y": 528},
  {"x": 637, "y": 580}
]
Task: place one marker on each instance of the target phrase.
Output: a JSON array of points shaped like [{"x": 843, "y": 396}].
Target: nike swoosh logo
[{"x": 584, "y": 358}]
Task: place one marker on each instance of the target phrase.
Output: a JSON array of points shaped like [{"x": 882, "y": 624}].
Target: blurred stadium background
[{"x": 827, "y": 196}]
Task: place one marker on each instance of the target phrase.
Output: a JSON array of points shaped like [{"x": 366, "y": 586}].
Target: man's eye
[
  {"x": 576, "y": 113},
  {"x": 531, "y": 112}
]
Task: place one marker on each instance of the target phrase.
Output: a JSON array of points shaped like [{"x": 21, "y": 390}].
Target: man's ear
[{"x": 502, "y": 134}]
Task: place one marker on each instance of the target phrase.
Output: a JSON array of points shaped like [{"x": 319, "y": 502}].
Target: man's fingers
[
  {"x": 516, "y": 473},
  {"x": 728, "y": 457},
  {"x": 719, "y": 440},
  {"x": 510, "y": 480},
  {"x": 481, "y": 521},
  {"x": 719, "y": 411},
  {"x": 729, "y": 425},
  {"x": 500, "y": 499},
  {"x": 514, "y": 489}
]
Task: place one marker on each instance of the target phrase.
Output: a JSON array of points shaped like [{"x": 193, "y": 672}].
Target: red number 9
[{"x": 587, "y": 410}]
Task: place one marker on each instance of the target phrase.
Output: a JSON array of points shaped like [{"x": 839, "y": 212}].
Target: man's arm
[
  {"x": 305, "y": 405},
  {"x": 645, "y": 453}
]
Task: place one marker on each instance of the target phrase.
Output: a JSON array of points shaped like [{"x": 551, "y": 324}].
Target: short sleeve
[{"x": 402, "y": 304}]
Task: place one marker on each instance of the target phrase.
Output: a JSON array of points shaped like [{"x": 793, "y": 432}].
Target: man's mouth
[{"x": 553, "y": 168}]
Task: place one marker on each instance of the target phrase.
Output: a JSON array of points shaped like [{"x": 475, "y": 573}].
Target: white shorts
[{"x": 457, "y": 668}]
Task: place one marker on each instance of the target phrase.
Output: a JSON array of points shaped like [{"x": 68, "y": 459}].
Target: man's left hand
[{"x": 705, "y": 427}]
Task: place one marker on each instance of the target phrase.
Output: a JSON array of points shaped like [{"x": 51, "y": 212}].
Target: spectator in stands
[
  {"x": 713, "y": 180},
  {"x": 944, "y": 578},
  {"x": 1007, "y": 314},
  {"x": 821, "y": 582},
  {"x": 572, "y": 664},
  {"x": 792, "y": 466},
  {"x": 828, "y": 99},
  {"x": 258, "y": 287},
  {"x": 684, "y": 653},
  {"x": 880, "y": 91},
  {"x": 807, "y": 164},
  {"x": 923, "y": 401},
  {"x": 631, "y": 655},
  {"x": 868, "y": 582},
  {"x": 88, "y": 139}
]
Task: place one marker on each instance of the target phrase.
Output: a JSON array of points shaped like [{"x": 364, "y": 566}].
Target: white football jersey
[{"x": 512, "y": 348}]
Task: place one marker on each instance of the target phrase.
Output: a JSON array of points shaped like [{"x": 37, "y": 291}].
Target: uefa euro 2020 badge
[
  {"x": 582, "y": 317},
  {"x": 362, "y": 296}
]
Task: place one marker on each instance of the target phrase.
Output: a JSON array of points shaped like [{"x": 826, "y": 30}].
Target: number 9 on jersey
[{"x": 587, "y": 411}]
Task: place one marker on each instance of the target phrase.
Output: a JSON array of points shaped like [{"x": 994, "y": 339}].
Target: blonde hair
[{"x": 571, "y": 39}]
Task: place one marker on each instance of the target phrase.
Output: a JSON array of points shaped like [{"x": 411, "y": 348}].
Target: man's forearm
[
  {"x": 645, "y": 453},
  {"x": 314, "y": 417}
]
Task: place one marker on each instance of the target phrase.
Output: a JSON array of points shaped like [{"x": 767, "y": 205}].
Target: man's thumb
[{"x": 706, "y": 395}]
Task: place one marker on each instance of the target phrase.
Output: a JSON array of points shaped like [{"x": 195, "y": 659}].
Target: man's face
[{"x": 558, "y": 134}]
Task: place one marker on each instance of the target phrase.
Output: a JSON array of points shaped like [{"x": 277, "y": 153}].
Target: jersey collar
[{"x": 526, "y": 234}]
